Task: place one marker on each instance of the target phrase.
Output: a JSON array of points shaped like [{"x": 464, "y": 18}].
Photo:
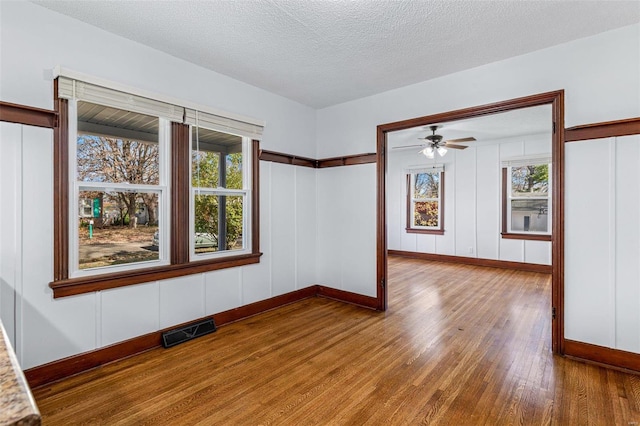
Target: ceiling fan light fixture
[
  {"x": 442, "y": 151},
  {"x": 428, "y": 152}
]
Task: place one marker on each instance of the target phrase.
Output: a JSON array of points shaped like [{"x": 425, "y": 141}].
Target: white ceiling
[
  {"x": 326, "y": 52},
  {"x": 488, "y": 129}
]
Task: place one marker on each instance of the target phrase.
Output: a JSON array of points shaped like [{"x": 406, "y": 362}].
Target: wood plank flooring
[{"x": 460, "y": 345}]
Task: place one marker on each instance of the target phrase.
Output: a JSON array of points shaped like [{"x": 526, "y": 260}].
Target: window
[
  {"x": 145, "y": 189},
  {"x": 425, "y": 203},
  {"x": 120, "y": 185},
  {"x": 219, "y": 193},
  {"x": 526, "y": 210}
]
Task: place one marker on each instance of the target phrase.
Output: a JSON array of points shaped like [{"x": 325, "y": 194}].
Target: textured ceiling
[{"x": 325, "y": 52}]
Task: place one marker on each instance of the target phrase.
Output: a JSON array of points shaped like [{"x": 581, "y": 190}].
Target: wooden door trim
[
  {"x": 607, "y": 129},
  {"x": 556, "y": 99}
]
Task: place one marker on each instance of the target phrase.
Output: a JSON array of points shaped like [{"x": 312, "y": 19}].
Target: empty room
[{"x": 320, "y": 212}]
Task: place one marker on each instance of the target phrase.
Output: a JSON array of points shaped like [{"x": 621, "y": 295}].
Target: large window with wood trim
[
  {"x": 526, "y": 198},
  {"x": 119, "y": 186},
  {"x": 425, "y": 201},
  {"x": 219, "y": 194},
  {"x": 147, "y": 189}
]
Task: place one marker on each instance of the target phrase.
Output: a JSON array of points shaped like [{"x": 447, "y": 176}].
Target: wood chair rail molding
[
  {"x": 606, "y": 129},
  {"x": 349, "y": 160},
  {"x": 31, "y": 116}
]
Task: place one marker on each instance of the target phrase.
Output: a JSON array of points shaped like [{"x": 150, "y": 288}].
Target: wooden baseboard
[
  {"x": 608, "y": 357},
  {"x": 348, "y": 297},
  {"x": 75, "y": 364},
  {"x": 503, "y": 264}
]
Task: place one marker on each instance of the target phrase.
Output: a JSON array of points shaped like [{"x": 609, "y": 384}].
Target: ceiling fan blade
[
  {"x": 471, "y": 139},
  {"x": 407, "y": 146},
  {"x": 456, "y": 146}
]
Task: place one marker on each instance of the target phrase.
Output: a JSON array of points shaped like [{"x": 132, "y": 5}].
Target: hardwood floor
[{"x": 460, "y": 345}]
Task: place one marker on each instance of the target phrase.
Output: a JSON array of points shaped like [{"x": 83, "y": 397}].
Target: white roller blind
[
  {"x": 75, "y": 89},
  {"x": 526, "y": 161},
  {"x": 436, "y": 168},
  {"x": 223, "y": 124}
]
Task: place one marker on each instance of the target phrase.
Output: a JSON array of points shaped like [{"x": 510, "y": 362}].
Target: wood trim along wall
[
  {"x": 278, "y": 157},
  {"x": 606, "y": 129},
  {"x": 30, "y": 116},
  {"x": 70, "y": 366},
  {"x": 556, "y": 99},
  {"x": 349, "y": 160},
  {"x": 60, "y": 188},
  {"x": 347, "y": 297},
  {"x": 180, "y": 164},
  {"x": 255, "y": 197},
  {"x": 491, "y": 263},
  {"x": 74, "y": 286},
  {"x": 599, "y": 354}
]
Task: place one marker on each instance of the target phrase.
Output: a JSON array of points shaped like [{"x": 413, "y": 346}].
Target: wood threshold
[
  {"x": 609, "y": 357},
  {"x": 491, "y": 263},
  {"x": 30, "y": 116},
  {"x": 75, "y": 364},
  {"x": 606, "y": 129}
]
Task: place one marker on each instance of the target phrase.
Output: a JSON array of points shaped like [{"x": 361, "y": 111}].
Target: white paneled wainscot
[{"x": 602, "y": 244}]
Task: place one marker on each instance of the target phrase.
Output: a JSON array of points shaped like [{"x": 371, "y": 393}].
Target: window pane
[
  {"x": 427, "y": 185},
  {"x": 425, "y": 213},
  {"x": 116, "y": 146},
  {"x": 117, "y": 228},
  {"x": 213, "y": 225},
  {"x": 529, "y": 215},
  {"x": 210, "y": 149},
  {"x": 532, "y": 181}
]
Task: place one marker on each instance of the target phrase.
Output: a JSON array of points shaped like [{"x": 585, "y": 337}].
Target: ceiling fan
[{"x": 435, "y": 143}]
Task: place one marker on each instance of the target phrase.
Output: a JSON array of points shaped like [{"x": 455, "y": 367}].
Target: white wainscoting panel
[{"x": 129, "y": 312}]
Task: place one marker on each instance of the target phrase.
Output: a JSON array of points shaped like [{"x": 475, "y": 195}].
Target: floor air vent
[{"x": 188, "y": 332}]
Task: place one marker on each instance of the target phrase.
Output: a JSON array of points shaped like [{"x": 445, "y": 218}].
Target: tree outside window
[{"x": 424, "y": 202}]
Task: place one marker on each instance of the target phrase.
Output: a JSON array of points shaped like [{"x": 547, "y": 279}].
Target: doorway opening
[{"x": 553, "y": 99}]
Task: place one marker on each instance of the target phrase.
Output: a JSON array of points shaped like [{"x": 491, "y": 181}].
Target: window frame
[
  {"x": 410, "y": 202},
  {"x": 506, "y": 198},
  {"x": 178, "y": 263},
  {"x": 76, "y": 187},
  {"x": 245, "y": 192}
]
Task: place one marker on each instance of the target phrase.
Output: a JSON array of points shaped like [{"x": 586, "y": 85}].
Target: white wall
[
  {"x": 35, "y": 40},
  {"x": 602, "y": 242},
  {"x": 596, "y": 90},
  {"x": 472, "y": 201}
]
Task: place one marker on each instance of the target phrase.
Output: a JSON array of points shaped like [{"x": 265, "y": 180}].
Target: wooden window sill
[
  {"x": 425, "y": 231},
  {"x": 532, "y": 237},
  {"x": 81, "y": 285}
]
